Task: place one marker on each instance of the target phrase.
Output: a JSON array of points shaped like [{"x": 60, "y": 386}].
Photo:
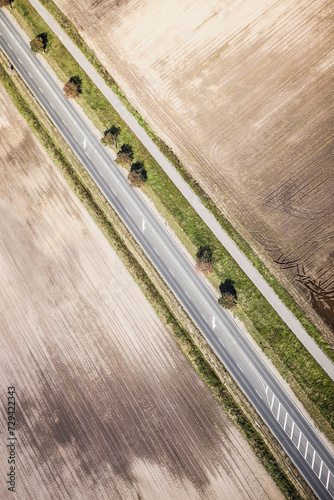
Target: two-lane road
[{"x": 273, "y": 404}]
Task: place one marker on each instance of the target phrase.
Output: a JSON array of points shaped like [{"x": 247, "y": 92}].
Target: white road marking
[
  {"x": 100, "y": 174},
  {"x": 327, "y": 483},
  {"x": 85, "y": 142},
  {"x": 272, "y": 402},
  {"x": 29, "y": 74},
  {"x": 87, "y": 154},
  {"x": 41, "y": 90},
  {"x": 293, "y": 424},
  {"x": 240, "y": 368},
  {"x": 320, "y": 471},
  {"x": 314, "y": 454},
  {"x": 143, "y": 228},
  {"x": 113, "y": 191},
  {"x": 75, "y": 138},
  {"x": 222, "y": 343},
  {"x": 127, "y": 210},
  {"x": 286, "y": 416},
  {"x": 258, "y": 394},
  {"x": 19, "y": 60},
  {"x": 171, "y": 272},
  {"x": 300, "y": 436},
  {"x": 306, "y": 448},
  {"x": 204, "y": 318},
  {"x": 213, "y": 323},
  {"x": 9, "y": 46},
  {"x": 156, "y": 251},
  {"x": 64, "y": 123},
  {"x": 187, "y": 295},
  {"x": 279, "y": 409},
  {"x": 0, "y": 34},
  {"x": 51, "y": 105}
]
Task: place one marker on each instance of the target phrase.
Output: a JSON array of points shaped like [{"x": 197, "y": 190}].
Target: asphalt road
[{"x": 273, "y": 404}]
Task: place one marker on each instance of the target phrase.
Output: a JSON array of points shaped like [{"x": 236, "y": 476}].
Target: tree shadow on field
[
  {"x": 77, "y": 81},
  {"x": 44, "y": 37},
  {"x": 115, "y": 131},
  {"x": 228, "y": 287}
]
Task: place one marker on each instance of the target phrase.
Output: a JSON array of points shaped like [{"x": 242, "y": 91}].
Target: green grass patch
[
  {"x": 313, "y": 387},
  {"x": 198, "y": 361}
]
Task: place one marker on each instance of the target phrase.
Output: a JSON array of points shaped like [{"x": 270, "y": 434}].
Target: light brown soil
[
  {"x": 243, "y": 93},
  {"x": 107, "y": 406}
]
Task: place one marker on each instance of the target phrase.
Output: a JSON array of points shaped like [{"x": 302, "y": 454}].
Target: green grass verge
[
  {"x": 311, "y": 384},
  {"x": 184, "y": 340}
]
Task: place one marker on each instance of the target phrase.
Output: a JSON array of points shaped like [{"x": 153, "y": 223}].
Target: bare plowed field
[
  {"x": 243, "y": 93},
  {"x": 107, "y": 405}
]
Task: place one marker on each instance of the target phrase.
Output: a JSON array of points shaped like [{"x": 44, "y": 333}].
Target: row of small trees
[
  {"x": 204, "y": 261},
  {"x": 72, "y": 89},
  {"x": 137, "y": 175}
]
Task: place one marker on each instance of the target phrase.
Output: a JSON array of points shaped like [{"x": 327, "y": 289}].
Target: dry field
[
  {"x": 243, "y": 93},
  {"x": 107, "y": 405}
]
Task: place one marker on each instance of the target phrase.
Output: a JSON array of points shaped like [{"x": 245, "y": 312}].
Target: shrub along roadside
[
  {"x": 312, "y": 386},
  {"x": 151, "y": 292}
]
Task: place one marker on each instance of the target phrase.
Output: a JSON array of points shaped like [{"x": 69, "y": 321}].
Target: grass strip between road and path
[
  {"x": 310, "y": 383},
  {"x": 221, "y": 391}
]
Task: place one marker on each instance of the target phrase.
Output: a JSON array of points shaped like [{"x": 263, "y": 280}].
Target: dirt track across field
[
  {"x": 242, "y": 91},
  {"x": 107, "y": 406}
]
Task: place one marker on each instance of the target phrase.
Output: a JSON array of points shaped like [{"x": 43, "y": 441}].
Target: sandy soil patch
[
  {"x": 242, "y": 91},
  {"x": 107, "y": 406}
]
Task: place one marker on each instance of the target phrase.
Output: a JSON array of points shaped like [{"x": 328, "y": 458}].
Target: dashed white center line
[
  {"x": 87, "y": 155},
  {"x": 29, "y": 74},
  {"x": 222, "y": 343},
  {"x": 240, "y": 368},
  {"x": 64, "y": 123},
  {"x": 127, "y": 211},
  {"x": 156, "y": 251},
  {"x": 9, "y": 46},
  {"x": 41, "y": 90},
  {"x": 258, "y": 394},
  {"x": 204, "y": 318},
  {"x": 113, "y": 191},
  {"x": 187, "y": 295},
  {"x": 100, "y": 174},
  {"x": 75, "y": 138},
  {"x": 171, "y": 272},
  {"x": 19, "y": 60}
]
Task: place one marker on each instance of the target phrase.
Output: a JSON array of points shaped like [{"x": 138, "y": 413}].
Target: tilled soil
[
  {"x": 107, "y": 406},
  {"x": 243, "y": 93}
]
